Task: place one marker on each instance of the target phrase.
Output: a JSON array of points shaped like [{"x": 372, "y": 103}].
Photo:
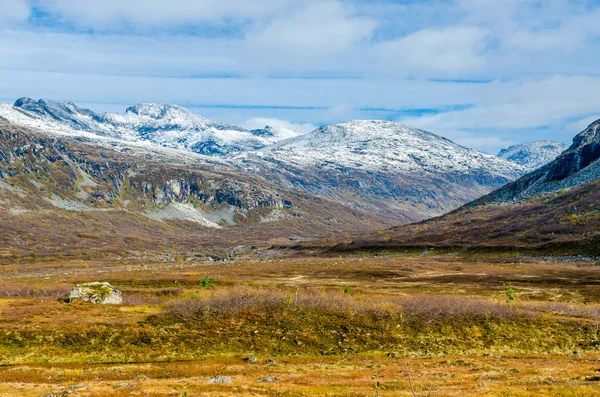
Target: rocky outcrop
[
  {"x": 96, "y": 292},
  {"x": 104, "y": 179}
]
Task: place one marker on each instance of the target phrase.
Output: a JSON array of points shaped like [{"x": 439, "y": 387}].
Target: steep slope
[
  {"x": 533, "y": 155},
  {"x": 555, "y": 209},
  {"x": 383, "y": 166},
  {"x": 576, "y": 166},
  {"x": 167, "y": 125},
  {"x": 59, "y": 195}
]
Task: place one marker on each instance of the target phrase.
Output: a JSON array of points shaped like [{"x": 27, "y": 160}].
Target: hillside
[
  {"x": 382, "y": 166},
  {"x": 163, "y": 124},
  {"x": 553, "y": 209},
  {"x": 60, "y": 196}
]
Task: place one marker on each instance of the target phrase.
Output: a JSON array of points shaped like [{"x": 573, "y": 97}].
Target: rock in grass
[
  {"x": 267, "y": 379},
  {"x": 96, "y": 292},
  {"x": 219, "y": 379},
  {"x": 250, "y": 359}
]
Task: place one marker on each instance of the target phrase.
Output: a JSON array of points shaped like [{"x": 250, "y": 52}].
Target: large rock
[{"x": 96, "y": 292}]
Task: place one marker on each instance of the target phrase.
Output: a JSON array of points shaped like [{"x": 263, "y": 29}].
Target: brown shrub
[
  {"x": 34, "y": 292},
  {"x": 230, "y": 302},
  {"x": 444, "y": 306},
  {"x": 565, "y": 309}
]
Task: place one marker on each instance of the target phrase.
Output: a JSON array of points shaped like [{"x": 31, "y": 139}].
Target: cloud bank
[{"x": 484, "y": 73}]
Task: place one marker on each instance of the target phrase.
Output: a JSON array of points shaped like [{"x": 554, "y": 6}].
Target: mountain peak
[
  {"x": 159, "y": 111},
  {"x": 533, "y": 155},
  {"x": 587, "y": 136}
]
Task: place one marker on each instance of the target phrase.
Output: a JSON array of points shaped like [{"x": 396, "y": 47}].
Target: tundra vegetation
[{"x": 368, "y": 324}]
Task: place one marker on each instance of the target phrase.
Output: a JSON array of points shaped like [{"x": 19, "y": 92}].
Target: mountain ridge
[
  {"x": 166, "y": 125},
  {"x": 403, "y": 172}
]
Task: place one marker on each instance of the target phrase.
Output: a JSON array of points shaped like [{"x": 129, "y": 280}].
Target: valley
[
  {"x": 359, "y": 324},
  {"x": 364, "y": 258}
]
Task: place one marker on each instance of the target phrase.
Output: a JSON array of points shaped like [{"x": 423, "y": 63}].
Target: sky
[{"x": 484, "y": 73}]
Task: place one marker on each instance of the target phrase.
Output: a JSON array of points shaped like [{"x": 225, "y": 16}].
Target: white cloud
[
  {"x": 318, "y": 28},
  {"x": 13, "y": 11},
  {"x": 261, "y": 122},
  {"x": 326, "y": 59},
  {"x": 524, "y": 104},
  {"x": 487, "y": 143},
  {"x": 448, "y": 51}
]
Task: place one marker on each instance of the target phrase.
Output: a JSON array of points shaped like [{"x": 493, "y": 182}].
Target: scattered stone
[
  {"x": 267, "y": 379},
  {"x": 78, "y": 387},
  {"x": 220, "y": 380},
  {"x": 96, "y": 292},
  {"x": 140, "y": 377},
  {"x": 298, "y": 342},
  {"x": 250, "y": 359},
  {"x": 271, "y": 362},
  {"x": 324, "y": 353},
  {"x": 391, "y": 355}
]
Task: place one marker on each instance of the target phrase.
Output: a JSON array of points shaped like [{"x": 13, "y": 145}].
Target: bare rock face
[{"x": 96, "y": 292}]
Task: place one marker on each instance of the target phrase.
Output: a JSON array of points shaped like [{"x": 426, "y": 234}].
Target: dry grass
[{"x": 329, "y": 323}]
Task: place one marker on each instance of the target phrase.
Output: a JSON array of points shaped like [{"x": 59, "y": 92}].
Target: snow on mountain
[
  {"x": 272, "y": 135},
  {"x": 385, "y": 145},
  {"x": 163, "y": 124},
  {"x": 406, "y": 173},
  {"x": 533, "y": 155},
  {"x": 382, "y": 165}
]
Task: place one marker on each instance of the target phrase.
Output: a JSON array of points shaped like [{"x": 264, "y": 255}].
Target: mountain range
[
  {"x": 396, "y": 171},
  {"x": 162, "y": 176}
]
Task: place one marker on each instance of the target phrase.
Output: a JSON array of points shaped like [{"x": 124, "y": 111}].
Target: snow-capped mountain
[
  {"x": 163, "y": 124},
  {"x": 382, "y": 165},
  {"x": 533, "y": 155}
]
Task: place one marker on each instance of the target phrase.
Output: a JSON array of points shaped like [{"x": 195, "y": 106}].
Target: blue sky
[{"x": 484, "y": 73}]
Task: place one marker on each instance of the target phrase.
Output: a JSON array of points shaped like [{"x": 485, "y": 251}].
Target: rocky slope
[
  {"x": 533, "y": 155},
  {"x": 576, "y": 166},
  {"x": 63, "y": 195},
  {"x": 553, "y": 210},
  {"x": 166, "y": 125},
  {"x": 383, "y": 166}
]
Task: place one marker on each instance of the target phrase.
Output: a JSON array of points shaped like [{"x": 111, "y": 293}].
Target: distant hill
[{"x": 533, "y": 155}]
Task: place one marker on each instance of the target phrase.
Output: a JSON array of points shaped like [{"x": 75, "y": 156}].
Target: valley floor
[{"x": 355, "y": 325}]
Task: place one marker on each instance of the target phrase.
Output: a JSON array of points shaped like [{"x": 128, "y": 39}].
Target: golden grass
[{"x": 329, "y": 323}]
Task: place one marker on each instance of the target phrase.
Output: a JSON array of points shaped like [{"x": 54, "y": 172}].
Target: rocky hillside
[
  {"x": 533, "y": 155},
  {"x": 383, "y": 166},
  {"x": 576, "y": 166},
  {"x": 55, "y": 191}
]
